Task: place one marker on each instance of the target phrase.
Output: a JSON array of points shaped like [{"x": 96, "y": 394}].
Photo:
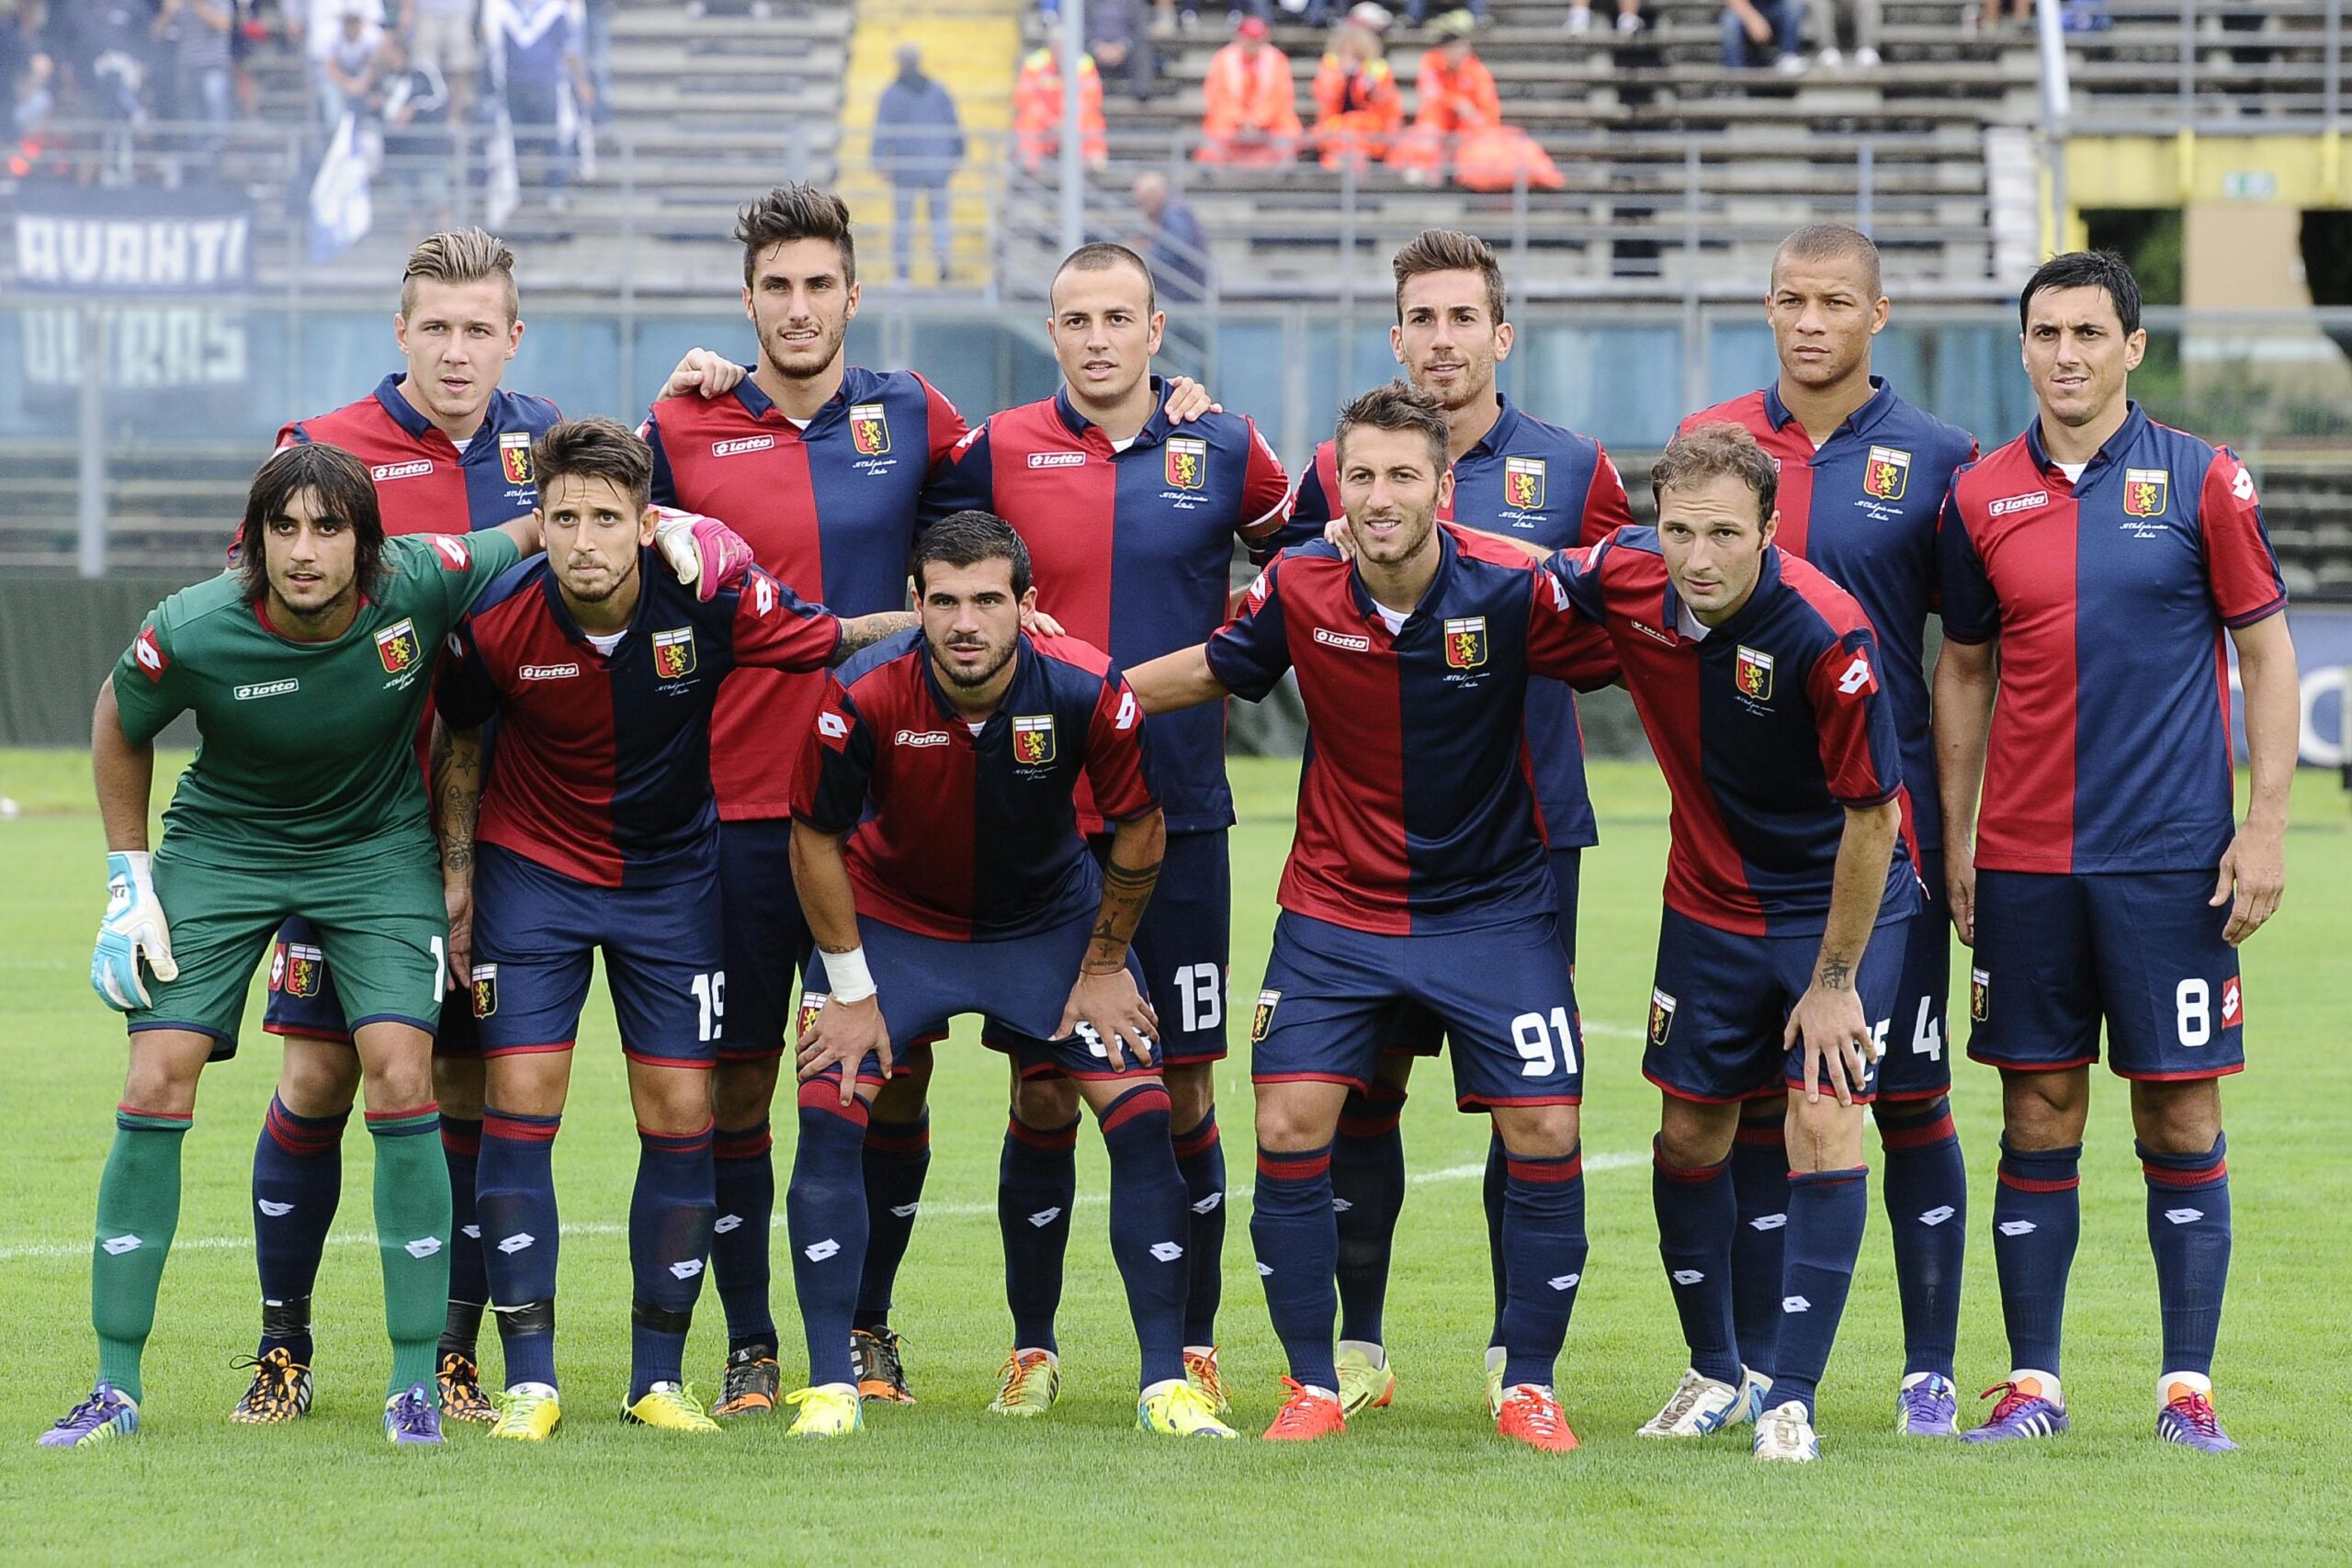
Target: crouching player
[
  {"x": 949, "y": 760},
  {"x": 306, "y": 669},
  {"x": 1418, "y": 875},
  {"x": 1755, "y": 678},
  {"x": 598, "y": 828}
]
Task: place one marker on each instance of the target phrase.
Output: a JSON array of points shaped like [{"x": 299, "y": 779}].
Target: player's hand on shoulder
[
  {"x": 2253, "y": 879},
  {"x": 703, "y": 373},
  {"x": 702, "y": 552},
  {"x": 132, "y": 929},
  {"x": 1036, "y": 623},
  {"x": 1112, "y": 1017},
  {"x": 842, "y": 1034},
  {"x": 1337, "y": 535},
  {"x": 1189, "y": 400}
]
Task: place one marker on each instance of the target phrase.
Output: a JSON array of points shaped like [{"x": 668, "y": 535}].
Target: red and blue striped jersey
[
  {"x": 424, "y": 484},
  {"x": 1767, "y": 727},
  {"x": 2109, "y": 747},
  {"x": 1132, "y": 550},
  {"x": 604, "y": 761},
  {"x": 831, "y": 509},
  {"x": 1863, "y": 507},
  {"x": 1524, "y": 479},
  {"x": 973, "y": 836},
  {"x": 1416, "y": 810}
]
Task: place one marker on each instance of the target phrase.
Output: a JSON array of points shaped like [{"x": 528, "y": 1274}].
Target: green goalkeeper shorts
[{"x": 382, "y": 925}]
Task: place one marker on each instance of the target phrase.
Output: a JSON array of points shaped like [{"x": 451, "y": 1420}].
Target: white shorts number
[
  {"x": 2193, "y": 1002},
  {"x": 440, "y": 965},
  {"x": 1927, "y": 1034},
  {"x": 710, "y": 1003},
  {"x": 1534, "y": 1034},
  {"x": 1202, "y": 985}
]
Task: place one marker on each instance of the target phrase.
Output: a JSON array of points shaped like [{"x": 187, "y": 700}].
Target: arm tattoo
[
  {"x": 864, "y": 631},
  {"x": 1125, "y": 891},
  {"x": 456, "y": 777}
]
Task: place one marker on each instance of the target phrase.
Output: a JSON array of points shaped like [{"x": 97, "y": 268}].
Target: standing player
[
  {"x": 949, "y": 760},
  {"x": 1419, "y": 877},
  {"x": 1130, "y": 519},
  {"x": 1863, "y": 480},
  {"x": 599, "y": 831},
  {"x": 306, "y": 668},
  {"x": 1755, "y": 678},
  {"x": 1546, "y": 488},
  {"x": 2090, "y": 567}
]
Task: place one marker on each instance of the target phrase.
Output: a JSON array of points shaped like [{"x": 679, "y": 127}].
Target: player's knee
[
  {"x": 161, "y": 1086},
  {"x": 672, "y": 1101},
  {"x": 1045, "y": 1103},
  {"x": 742, "y": 1092},
  {"x": 1823, "y": 1134},
  {"x": 1191, "y": 1093},
  {"x": 2044, "y": 1110},
  {"x": 1292, "y": 1119},
  {"x": 400, "y": 1084},
  {"x": 1692, "y": 1135},
  {"x": 1537, "y": 1132},
  {"x": 318, "y": 1078},
  {"x": 457, "y": 1085},
  {"x": 2178, "y": 1118},
  {"x": 907, "y": 1094}
]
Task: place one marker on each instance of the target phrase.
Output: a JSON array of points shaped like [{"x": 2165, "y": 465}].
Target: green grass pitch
[{"x": 1425, "y": 1481}]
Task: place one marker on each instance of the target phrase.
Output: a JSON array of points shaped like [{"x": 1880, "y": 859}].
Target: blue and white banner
[{"x": 142, "y": 239}]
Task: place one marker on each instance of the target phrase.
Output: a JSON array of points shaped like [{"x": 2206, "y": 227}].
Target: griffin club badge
[
  {"x": 869, "y": 429},
  {"x": 673, "y": 653},
  {"x": 398, "y": 648},
  {"x": 1661, "y": 1016},
  {"x": 1466, "y": 642},
  {"x": 1523, "y": 483},
  {"x": 1032, "y": 737},
  {"x": 1980, "y": 994},
  {"x": 1753, "y": 673},
  {"x": 2145, "y": 491},
  {"x": 1188, "y": 462},
  {"x": 1263, "y": 1019},
  {"x": 298, "y": 969},
  {"x": 515, "y": 457},
  {"x": 1886, "y": 473},
  {"x": 485, "y": 978}
]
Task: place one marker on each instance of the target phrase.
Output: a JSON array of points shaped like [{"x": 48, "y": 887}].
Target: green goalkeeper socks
[
  {"x": 139, "y": 1207},
  {"x": 413, "y": 1233}
]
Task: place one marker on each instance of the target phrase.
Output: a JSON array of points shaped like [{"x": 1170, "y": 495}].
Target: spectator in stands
[
  {"x": 1417, "y": 12},
  {"x": 28, "y": 84},
  {"x": 595, "y": 20},
  {"x": 1168, "y": 14},
  {"x": 346, "y": 70},
  {"x": 1172, "y": 243},
  {"x": 444, "y": 34},
  {"x": 105, "y": 51},
  {"x": 534, "y": 49},
  {"x": 1461, "y": 122},
  {"x": 1037, "y": 111},
  {"x": 1763, "y": 32},
  {"x": 1358, "y": 109},
  {"x": 2020, "y": 11},
  {"x": 412, "y": 99},
  {"x": 195, "y": 32},
  {"x": 1118, "y": 34},
  {"x": 918, "y": 143},
  {"x": 1253, "y": 102},
  {"x": 1629, "y": 17},
  {"x": 1858, "y": 22}
]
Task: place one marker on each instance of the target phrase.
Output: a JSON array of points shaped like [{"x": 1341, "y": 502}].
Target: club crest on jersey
[
  {"x": 869, "y": 429},
  {"x": 1980, "y": 994},
  {"x": 1032, "y": 737},
  {"x": 515, "y": 455},
  {"x": 1754, "y": 673},
  {"x": 1263, "y": 1019},
  {"x": 1886, "y": 472},
  {"x": 673, "y": 653},
  {"x": 399, "y": 646},
  {"x": 1466, "y": 642},
  {"x": 1523, "y": 483},
  {"x": 1661, "y": 1016},
  {"x": 1188, "y": 462},
  {"x": 298, "y": 970},
  {"x": 485, "y": 977},
  {"x": 2144, "y": 491}
]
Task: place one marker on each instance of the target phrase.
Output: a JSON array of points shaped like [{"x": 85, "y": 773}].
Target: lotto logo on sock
[
  {"x": 687, "y": 1267},
  {"x": 1044, "y": 1217},
  {"x": 1938, "y": 1215},
  {"x": 726, "y": 1223},
  {"x": 116, "y": 1246},
  {"x": 274, "y": 1211},
  {"x": 1167, "y": 1251},
  {"x": 1264, "y": 1269},
  {"x": 1340, "y": 1205},
  {"x": 516, "y": 1243},
  {"x": 472, "y": 1233},
  {"x": 1208, "y": 1205},
  {"x": 2017, "y": 1227},
  {"x": 422, "y": 1247},
  {"x": 905, "y": 1211},
  {"x": 1768, "y": 1222},
  {"x": 1795, "y": 1304},
  {"x": 818, "y": 1251},
  {"x": 1563, "y": 1281},
  {"x": 1687, "y": 1276},
  {"x": 2183, "y": 1216}
]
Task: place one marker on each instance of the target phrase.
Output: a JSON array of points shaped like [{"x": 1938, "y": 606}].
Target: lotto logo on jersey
[
  {"x": 414, "y": 468},
  {"x": 1886, "y": 472},
  {"x": 1032, "y": 737},
  {"x": 1188, "y": 462},
  {"x": 673, "y": 653},
  {"x": 1263, "y": 1019},
  {"x": 741, "y": 445},
  {"x": 454, "y": 553},
  {"x": 1523, "y": 483},
  {"x": 1661, "y": 1017},
  {"x": 398, "y": 648},
  {"x": 763, "y": 596},
  {"x": 1753, "y": 673},
  {"x": 302, "y": 969},
  {"x": 485, "y": 977},
  {"x": 833, "y": 729},
  {"x": 515, "y": 455},
  {"x": 149, "y": 655},
  {"x": 869, "y": 429},
  {"x": 2144, "y": 491},
  {"x": 1980, "y": 994},
  {"x": 1466, "y": 642}
]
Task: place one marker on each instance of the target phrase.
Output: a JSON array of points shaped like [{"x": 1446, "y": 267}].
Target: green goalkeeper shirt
[{"x": 308, "y": 748}]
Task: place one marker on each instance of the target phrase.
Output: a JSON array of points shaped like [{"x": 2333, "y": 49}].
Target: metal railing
[{"x": 2207, "y": 66}]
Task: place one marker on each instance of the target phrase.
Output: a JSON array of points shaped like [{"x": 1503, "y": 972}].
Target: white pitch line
[{"x": 1593, "y": 1164}]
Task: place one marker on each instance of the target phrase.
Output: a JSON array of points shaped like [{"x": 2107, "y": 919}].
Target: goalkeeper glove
[
  {"x": 133, "y": 928},
  {"x": 702, "y": 552}
]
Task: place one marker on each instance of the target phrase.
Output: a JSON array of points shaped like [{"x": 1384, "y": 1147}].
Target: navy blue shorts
[
  {"x": 304, "y": 1000},
  {"x": 1415, "y": 1030},
  {"x": 2056, "y": 955},
  {"x": 1018, "y": 985},
  {"x": 1720, "y": 1000},
  {"x": 1502, "y": 994},
  {"x": 1184, "y": 943},
  {"x": 663, "y": 961},
  {"x": 766, "y": 936},
  {"x": 1917, "y": 1064}
]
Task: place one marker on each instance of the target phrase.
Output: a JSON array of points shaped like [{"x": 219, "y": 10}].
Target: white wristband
[{"x": 851, "y": 980}]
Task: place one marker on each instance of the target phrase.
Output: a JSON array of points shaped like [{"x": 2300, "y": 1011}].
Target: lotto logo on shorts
[
  {"x": 1188, "y": 462},
  {"x": 1032, "y": 737},
  {"x": 2232, "y": 1005},
  {"x": 673, "y": 653},
  {"x": 397, "y": 647},
  {"x": 1523, "y": 483},
  {"x": 485, "y": 977},
  {"x": 1753, "y": 675},
  {"x": 1661, "y": 1016},
  {"x": 869, "y": 429},
  {"x": 2144, "y": 491},
  {"x": 1886, "y": 473},
  {"x": 515, "y": 457},
  {"x": 1263, "y": 1019},
  {"x": 1466, "y": 642},
  {"x": 1980, "y": 994}
]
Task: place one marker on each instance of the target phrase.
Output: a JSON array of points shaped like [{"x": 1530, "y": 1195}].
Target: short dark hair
[
  {"x": 967, "y": 538},
  {"x": 1449, "y": 250},
  {"x": 1101, "y": 256},
  {"x": 1399, "y": 405},
  {"x": 2087, "y": 269},
  {"x": 595, "y": 448},
  {"x": 794, "y": 211},
  {"x": 1712, "y": 451},
  {"x": 1831, "y": 241},
  {"x": 345, "y": 492}
]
